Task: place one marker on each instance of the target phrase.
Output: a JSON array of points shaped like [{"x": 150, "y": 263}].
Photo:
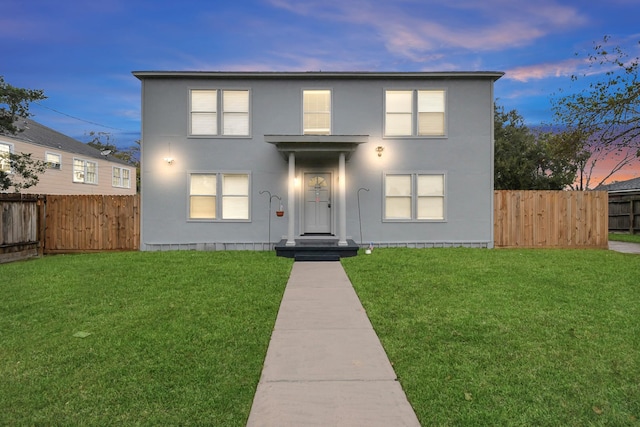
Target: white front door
[{"x": 317, "y": 202}]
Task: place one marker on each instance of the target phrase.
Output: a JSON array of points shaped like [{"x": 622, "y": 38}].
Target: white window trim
[
  {"x": 219, "y": 195},
  {"x": 220, "y": 114},
  {"x": 330, "y": 90},
  {"x": 11, "y": 151},
  {"x": 121, "y": 179},
  {"x": 414, "y": 195},
  {"x": 51, "y": 153},
  {"x": 415, "y": 113},
  {"x": 84, "y": 180}
]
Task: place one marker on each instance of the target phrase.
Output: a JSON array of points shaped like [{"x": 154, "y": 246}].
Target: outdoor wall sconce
[
  {"x": 379, "y": 150},
  {"x": 169, "y": 160}
]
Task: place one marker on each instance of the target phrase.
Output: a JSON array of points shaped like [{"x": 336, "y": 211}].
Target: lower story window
[
  {"x": 5, "y": 160},
  {"x": 121, "y": 178},
  {"x": 414, "y": 197},
  {"x": 53, "y": 160},
  {"x": 217, "y": 195},
  {"x": 85, "y": 171}
]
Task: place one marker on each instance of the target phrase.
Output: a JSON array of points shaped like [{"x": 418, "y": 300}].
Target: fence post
[{"x": 42, "y": 223}]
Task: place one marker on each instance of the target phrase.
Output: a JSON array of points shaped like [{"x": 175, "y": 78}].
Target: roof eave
[{"x": 355, "y": 75}]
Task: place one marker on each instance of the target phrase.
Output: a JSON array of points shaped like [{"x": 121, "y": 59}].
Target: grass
[
  {"x": 477, "y": 337},
  {"x": 508, "y": 337},
  {"x": 175, "y": 338},
  {"x": 632, "y": 238}
]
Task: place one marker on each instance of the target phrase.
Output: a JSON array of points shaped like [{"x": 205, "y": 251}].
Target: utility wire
[{"x": 77, "y": 118}]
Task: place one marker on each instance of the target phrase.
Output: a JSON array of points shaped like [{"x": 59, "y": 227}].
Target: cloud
[
  {"x": 408, "y": 28},
  {"x": 543, "y": 71}
]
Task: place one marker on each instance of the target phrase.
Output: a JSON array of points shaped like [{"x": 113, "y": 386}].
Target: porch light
[
  {"x": 379, "y": 150},
  {"x": 169, "y": 160}
]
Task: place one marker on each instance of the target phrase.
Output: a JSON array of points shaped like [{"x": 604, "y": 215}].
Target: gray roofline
[{"x": 353, "y": 75}]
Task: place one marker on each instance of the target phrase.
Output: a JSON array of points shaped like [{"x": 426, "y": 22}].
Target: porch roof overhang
[{"x": 316, "y": 145}]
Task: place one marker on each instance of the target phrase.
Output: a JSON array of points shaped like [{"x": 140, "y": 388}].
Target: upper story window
[
  {"x": 85, "y": 171},
  {"x": 53, "y": 160},
  {"x": 219, "y": 112},
  {"x": 316, "y": 106},
  {"x": 218, "y": 195},
  {"x": 121, "y": 177},
  {"x": 5, "y": 161},
  {"x": 414, "y": 113},
  {"x": 414, "y": 197}
]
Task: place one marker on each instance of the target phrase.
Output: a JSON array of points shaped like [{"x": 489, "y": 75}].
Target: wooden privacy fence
[
  {"x": 551, "y": 219},
  {"x": 624, "y": 214},
  {"x": 91, "y": 223},
  {"x": 64, "y": 224},
  {"x": 20, "y": 226}
]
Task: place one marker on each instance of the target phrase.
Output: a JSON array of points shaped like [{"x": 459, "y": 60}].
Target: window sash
[
  {"x": 202, "y": 207},
  {"x": 120, "y": 178},
  {"x": 204, "y": 101},
  {"x": 414, "y": 196},
  {"x": 85, "y": 171},
  {"x": 202, "y": 196},
  {"x": 78, "y": 170},
  {"x": 235, "y": 196},
  {"x": 91, "y": 176},
  {"x": 414, "y": 113},
  {"x": 116, "y": 179},
  {"x": 204, "y": 123},
  {"x": 233, "y": 200},
  {"x": 206, "y": 106},
  {"x": 203, "y": 185},
  {"x": 316, "y": 112},
  {"x": 5, "y": 161},
  {"x": 53, "y": 161},
  {"x": 430, "y": 208}
]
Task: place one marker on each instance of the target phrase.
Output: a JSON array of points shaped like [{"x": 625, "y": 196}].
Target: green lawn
[
  {"x": 175, "y": 338},
  {"x": 508, "y": 337},
  {"x": 477, "y": 337},
  {"x": 633, "y": 238}
]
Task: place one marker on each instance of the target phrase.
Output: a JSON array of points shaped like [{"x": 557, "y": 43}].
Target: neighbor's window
[
  {"x": 414, "y": 113},
  {"x": 414, "y": 196},
  {"x": 85, "y": 171},
  {"x": 53, "y": 161},
  {"x": 233, "y": 202},
  {"x": 233, "y": 106},
  {"x": 5, "y": 162},
  {"x": 121, "y": 177},
  {"x": 316, "y": 112}
]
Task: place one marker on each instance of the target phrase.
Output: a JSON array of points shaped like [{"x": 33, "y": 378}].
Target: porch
[{"x": 316, "y": 249}]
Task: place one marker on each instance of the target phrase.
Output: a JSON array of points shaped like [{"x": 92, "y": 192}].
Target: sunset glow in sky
[{"x": 81, "y": 53}]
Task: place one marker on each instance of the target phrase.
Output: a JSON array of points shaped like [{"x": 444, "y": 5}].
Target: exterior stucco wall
[{"x": 464, "y": 156}]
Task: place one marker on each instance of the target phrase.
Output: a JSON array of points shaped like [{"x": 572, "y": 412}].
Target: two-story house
[
  {"x": 72, "y": 166},
  {"x": 393, "y": 159}
]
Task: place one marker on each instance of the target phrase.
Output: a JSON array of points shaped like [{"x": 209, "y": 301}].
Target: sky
[{"x": 82, "y": 53}]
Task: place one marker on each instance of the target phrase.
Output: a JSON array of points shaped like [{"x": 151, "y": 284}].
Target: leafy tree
[
  {"x": 606, "y": 113},
  {"x": 25, "y": 170},
  {"x": 19, "y": 171},
  {"x": 528, "y": 160},
  {"x": 14, "y": 104}
]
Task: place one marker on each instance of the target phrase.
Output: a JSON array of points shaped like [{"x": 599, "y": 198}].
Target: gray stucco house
[{"x": 389, "y": 158}]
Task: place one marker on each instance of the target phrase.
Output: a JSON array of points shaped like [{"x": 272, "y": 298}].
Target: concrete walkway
[
  {"x": 325, "y": 365},
  {"x": 625, "y": 247}
]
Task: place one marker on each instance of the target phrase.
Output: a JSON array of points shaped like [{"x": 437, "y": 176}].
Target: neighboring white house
[
  {"x": 393, "y": 159},
  {"x": 72, "y": 166}
]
